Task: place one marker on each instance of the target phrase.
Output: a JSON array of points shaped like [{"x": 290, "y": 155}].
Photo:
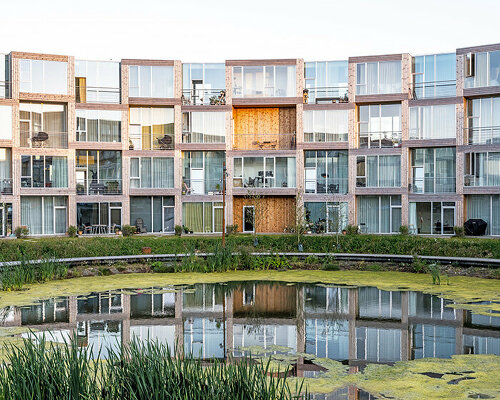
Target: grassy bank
[
  {"x": 42, "y": 370},
  {"x": 11, "y": 250}
]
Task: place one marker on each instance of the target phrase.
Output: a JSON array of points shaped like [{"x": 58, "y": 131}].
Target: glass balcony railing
[
  {"x": 335, "y": 185},
  {"x": 264, "y": 141},
  {"x": 478, "y": 181},
  {"x": 429, "y": 90},
  {"x": 202, "y": 186},
  {"x": 262, "y": 182},
  {"x": 98, "y": 186},
  {"x": 5, "y": 186},
  {"x": 319, "y": 137},
  {"x": 91, "y": 94},
  {"x": 327, "y": 94},
  {"x": 43, "y": 139},
  {"x": 199, "y": 137},
  {"x": 433, "y": 185},
  {"x": 380, "y": 139},
  {"x": 483, "y": 135},
  {"x": 204, "y": 97}
]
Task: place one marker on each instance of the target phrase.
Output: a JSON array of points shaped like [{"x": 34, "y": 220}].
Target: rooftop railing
[
  {"x": 428, "y": 90},
  {"x": 44, "y": 139},
  {"x": 326, "y": 94},
  {"x": 94, "y": 94},
  {"x": 483, "y": 135},
  {"x": 98, "y": 186},
  {"x": 204, "y": 97},
  {"x": 264, "y": 141}
]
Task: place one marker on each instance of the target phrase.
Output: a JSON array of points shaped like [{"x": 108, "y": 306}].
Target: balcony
[
  {"x": 202, "y": 186},
  {"x": 264, "y": 141},
  {"x": 322, "y": 95},
  {"x": 203, "y": 97},
  {"x": 42, "y": 139},
  {"x": 199, "y": 137},
  {"x": 5, "y": 90},
  {"x": 140, "y": 140},
  {"x": 432, "y": 90},
  {"x": 381, "y": 139},
  {"x": 91, "y": 187},
  {"x": 94, "y": 94},
  {"x": 333, "y": 186},
  {"x": 433, "y": 185},
  {"x": 483, "y": 135},
  {"x": 6, "y": 186}
]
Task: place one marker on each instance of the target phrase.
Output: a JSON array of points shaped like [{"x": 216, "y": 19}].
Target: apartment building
[{"x": 374, "y": 141}]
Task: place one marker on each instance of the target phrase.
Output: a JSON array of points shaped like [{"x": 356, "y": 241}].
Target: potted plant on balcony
[
  {"x": 130, "y": 145},
  {"x": 112, "y": 187},
  {"x": 80, "y": 189}
]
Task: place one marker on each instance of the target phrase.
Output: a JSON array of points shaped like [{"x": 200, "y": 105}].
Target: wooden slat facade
[{"x": 279, "y": 212}]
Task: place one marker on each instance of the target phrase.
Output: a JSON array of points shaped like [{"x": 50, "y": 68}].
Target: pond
[{"x": 305, "y": 323}]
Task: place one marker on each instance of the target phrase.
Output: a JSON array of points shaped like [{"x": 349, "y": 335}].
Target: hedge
[{"x": 63, "y": 247}]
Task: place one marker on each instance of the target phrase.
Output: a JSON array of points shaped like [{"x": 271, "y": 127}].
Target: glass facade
[
  {"x": 204, "y": 84},
  {"x": 5, "y": 89},
  {"x": 203, "y": 127},
  {"x": 482, "y": 69},
  {"x": 326, "y": 81},
  {"x": 97, "y": 81},
  {"x": 5, "y": 122},
  {"x": 326, "y": 217},
  {"x": 264, "y": 172},
  {"x": 151, "y": 128},
  {"x": 433, "y": 170},
  {"x": 487, "y": 208},
  {"x": 433, "y": 122},
  {"x": 382, "y": 77},
  {"x": 202, "y": 217},
  {"x": 482, "y": 169},
  {"x": 152, "y": 172},
  {"x": 379, "y": 125},
  {"x": 152, "y": 213},
  {"x": 43, "y": 125},
  {"x": 45, "y": 77},
  {"x": 326, "y": 171},
  {"x": 202, "y": 172},
  {"x": 5, "y": 171},
  {"x": 98, "y": 125},
  {"x": 98, "y": 172},
  {"x": 44, "y": 172},
  {"x": 5, "y": 219},
  {"x": 434, "y": 76},
  {"x": 151, "y": 81},
  {"x": 483, "y": 120},
  {"x": 326, "y": 125},
  {"x": 379, "y": 214},
  {"x": 98, "y": 218},
  {"x": 437, "y": 218},
  {"x": 378, "y": 171},
  {"x": 264, "y": 81},
  {"x": 44, "y": 215}
]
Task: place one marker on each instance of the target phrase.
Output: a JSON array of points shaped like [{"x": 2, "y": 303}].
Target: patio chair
[{"x": 139, "y": 224}]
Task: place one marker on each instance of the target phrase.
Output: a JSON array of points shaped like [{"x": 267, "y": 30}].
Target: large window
[
  {"x": 264, "y": 172},
  {"x": 5, "y": 91},
  {"x": 43, "y": 125},
  {"x": 379, "y": 214},
  {"x": 151, "y": 81},
  {"x": 44, "y": 171},
  {"x": 5, "y": 122},
  {"x": 380, "y": 125},
  {"x": 152, "y": 214},
  {"x": 5, "y": 219},
  {"x": 5, "y": 171},
  {"x": 436, "y": 217},
  {"x": 152, "y": 172},
  {"x": 487, "y": 208},
  {"x": 434, "y": 76},
  {"x": 264, "y": 81},
  {"x": 482, "y": 69},
  {"x": 483, "y": 120},
  {"x": 202, "y": 172},
  {"x": 40, "y": 76},
  {"x": 99, "y": 218},
  {"x": 44, "y": 215},
  {"x": 97, "y": 81},
  {"x": 378, "y": 77},
  {"x": 326, "y": 171},
  {"x": 482, "y": 169},
  {"x": 326, "y": 217},
  {"x": 203, "y": 127},
  {"x": 151, "y": 128},
  {"x": 326, "y": 125},
  {"x": 326, "y": 81},
  {"x": 433, "y": 170},
  {"x": 202, "y": 217},
  {"x": 204, "y": 84},
  {"x": 98, "y": 172},
  {"x": 378, "y": 171},
  {"x": 98, "y": 125},
  {"x": 433, "y": 122}
]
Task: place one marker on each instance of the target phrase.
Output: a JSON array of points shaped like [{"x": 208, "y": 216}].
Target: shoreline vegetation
[{"x": 66, "y": 247}]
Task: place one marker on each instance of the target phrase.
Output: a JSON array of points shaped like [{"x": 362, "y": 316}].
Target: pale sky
[{"x": 216, "y": 30}]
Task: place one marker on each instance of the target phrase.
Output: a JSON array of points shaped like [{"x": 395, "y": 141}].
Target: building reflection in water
[{"x": 352, "y": 325}]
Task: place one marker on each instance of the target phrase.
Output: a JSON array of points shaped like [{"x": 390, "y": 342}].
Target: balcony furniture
[
  {"x": 39, "y": 139},
  {"x": 139, "y": 224},
  {"x": 165, "y": 142},
  {"x": 112, "y": 187},
  {"x": 99, "y": 229},
  {"x": 333, "y": 188},
  {"x": 87, "y": 229},
  {"x": 251, "y": 182},
  {"x": 97, "y": 188},
  {"x": 186, "y": 189}
]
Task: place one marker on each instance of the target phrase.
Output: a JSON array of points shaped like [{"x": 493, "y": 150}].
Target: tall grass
[
  {"x": 43, "y": 370},
  {"x": 16, "y": 276}
]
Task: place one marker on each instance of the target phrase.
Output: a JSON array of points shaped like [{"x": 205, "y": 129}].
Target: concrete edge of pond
[{"x": 399, "y": 258}]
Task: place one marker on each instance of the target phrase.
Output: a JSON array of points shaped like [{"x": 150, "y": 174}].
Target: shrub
[
  {"x": 312, "y": 260},
  {"x": 72, "y": 231},
  {"x": 404, "y": 230},
  {"x": 21, "y": 232},
  {"x": 352, "y": 229},
  {"x": 178, "y": 230},
  {"x": 459, "y": 231},
  {"x": 128, "y": 230},
  {"x": 232, "y": 229},
  {"x": 162, "y": 268},
  {"x": 419, "y": 265},
  {"x": 331, "y": 267}
]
